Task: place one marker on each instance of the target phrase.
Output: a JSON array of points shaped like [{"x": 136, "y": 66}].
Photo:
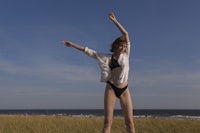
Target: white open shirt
[{"x": 104, "y": 60}]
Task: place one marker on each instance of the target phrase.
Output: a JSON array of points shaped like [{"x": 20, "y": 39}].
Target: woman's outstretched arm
[
  {"x": 86, "y": 50},
  {"x": 74, "y": 45},
  {"x": 119, "y": 26}
]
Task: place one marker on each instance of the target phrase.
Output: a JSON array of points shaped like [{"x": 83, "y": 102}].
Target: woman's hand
[
  {"x": 112, "y": 16},
  {"x": 67, "y": 43}
]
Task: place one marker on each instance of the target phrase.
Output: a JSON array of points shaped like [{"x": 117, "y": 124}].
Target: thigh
[
  {"x": 109, "y": 101},
  {"x": 126, "y": 104}
]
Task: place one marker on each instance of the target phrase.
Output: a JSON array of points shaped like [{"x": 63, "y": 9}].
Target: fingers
[
  {"x": 111, "y": 16},
  {"x": 66, "y": 43}
]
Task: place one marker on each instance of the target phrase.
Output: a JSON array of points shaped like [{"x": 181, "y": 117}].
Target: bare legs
[
  {"x": 109, "y": 104},
  {"x": 127, "y": 108},
  {"x": 126, "y": 105}
]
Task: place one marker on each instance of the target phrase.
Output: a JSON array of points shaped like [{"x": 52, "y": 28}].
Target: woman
[{"x": 114, "y": 72}]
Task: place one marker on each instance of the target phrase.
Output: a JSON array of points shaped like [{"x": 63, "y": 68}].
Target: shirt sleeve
[
  {"x": 103, "y": 61},
  {"x": 128, "y": 49},
  {"x": 90, "y": 52}
]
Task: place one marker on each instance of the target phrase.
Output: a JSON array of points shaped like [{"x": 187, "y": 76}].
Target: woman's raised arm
[{"x": 119, "y": 26}]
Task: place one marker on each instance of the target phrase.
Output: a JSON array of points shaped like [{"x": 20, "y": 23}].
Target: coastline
[
  {"x": 138, "y": 113},
  {"x": 178, "y": 117}
]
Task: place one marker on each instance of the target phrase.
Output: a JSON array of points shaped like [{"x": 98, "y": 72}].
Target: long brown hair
[{"x": 118, "y": 41}]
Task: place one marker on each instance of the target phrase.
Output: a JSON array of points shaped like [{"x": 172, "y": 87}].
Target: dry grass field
[{"x": 66, "y": 124}]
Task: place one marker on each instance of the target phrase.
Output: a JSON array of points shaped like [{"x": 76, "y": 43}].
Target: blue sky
[{"x": 38, "y": 72}]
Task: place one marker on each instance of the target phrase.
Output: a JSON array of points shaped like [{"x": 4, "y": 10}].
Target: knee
[
  {"x": 129, "y": 124},
  {"x": 130, "y": 127},
  {"x": 107, "y": 123}
]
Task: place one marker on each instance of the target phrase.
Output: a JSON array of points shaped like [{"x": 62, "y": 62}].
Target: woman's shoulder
[
  {"x": 123, "y": 58},
  {"x": 104, "y": 55}
]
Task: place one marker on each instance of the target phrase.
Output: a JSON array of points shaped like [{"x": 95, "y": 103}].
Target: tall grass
[
  {"x": 164, "y": 125},
  {"x": 64, "y": 124}
]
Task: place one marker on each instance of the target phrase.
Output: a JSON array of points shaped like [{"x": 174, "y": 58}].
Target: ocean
[{"x": 174, "y": 113}]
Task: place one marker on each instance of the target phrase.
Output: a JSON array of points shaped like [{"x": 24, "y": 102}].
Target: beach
[{"x": 93, "y": 124}]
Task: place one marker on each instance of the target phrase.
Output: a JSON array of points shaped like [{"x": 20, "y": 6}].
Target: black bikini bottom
[{"x": 118, "y": 91}]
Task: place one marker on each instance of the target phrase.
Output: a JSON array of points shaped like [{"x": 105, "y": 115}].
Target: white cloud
[
  {"x": 51, "y": 70},
  {"x": 162, "y": 74},
  {"x": 166, "y": 85}
]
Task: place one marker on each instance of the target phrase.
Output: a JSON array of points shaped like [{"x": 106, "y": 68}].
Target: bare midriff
[{"x": 115, "y": 76}]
